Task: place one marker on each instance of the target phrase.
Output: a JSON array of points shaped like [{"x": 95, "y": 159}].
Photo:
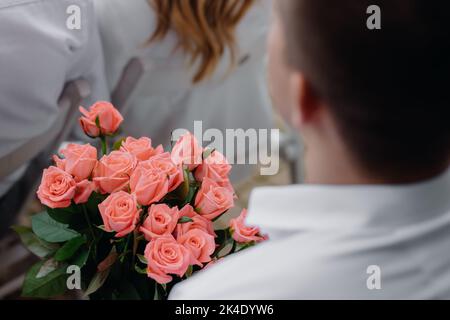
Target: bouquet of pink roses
[{"x": 134, "y": 223}]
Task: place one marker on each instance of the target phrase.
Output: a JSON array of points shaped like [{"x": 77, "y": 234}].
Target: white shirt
[
  {"x": 38, "y": 56},
  {"x": 165, "y": 98},
  {"x": 324, "y": 238}
]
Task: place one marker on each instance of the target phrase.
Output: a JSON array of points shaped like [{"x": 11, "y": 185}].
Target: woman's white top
[
  {"x": 166, "y": 99},
  {"x": 39, "y": 54},
  {"x": 338, "y": 242}
]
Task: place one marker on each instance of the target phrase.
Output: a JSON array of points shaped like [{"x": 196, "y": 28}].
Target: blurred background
[{"x": 58, "y": 54}]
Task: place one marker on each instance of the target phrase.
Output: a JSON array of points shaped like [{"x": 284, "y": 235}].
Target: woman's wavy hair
[{"x": 205, "y": 29}]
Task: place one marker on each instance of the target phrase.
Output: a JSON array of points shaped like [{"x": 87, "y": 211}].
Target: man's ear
[{"x": 308, "y": 102}]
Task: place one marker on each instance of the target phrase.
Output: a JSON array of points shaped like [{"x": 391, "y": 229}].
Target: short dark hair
[{"x": 388, "y": 89}]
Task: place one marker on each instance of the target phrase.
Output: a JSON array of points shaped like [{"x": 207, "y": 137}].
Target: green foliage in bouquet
[{"x": 133, "y": 223}]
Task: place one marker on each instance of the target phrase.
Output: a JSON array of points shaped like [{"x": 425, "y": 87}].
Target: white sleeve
[
  {"x": 123, "y": 38},
  {"x": 91, "y": 64},
  {"x": 39, "y": 54}
]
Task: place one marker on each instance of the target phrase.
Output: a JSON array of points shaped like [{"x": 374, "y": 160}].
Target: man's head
[{"x": 380, "y": 96}]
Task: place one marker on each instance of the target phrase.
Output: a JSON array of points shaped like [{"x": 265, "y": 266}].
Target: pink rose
[
  {"x": 243, "y": 233},
  {"x": 109, "y": 119},
  {"x": 57, "y": 188},
  {"x": 198, "y": 222},
  {"x": 149, "y": 185},
  {"x": 83, "y": 191},
  {"x": 79, "y": 160},
  {"x": 161, "y": 221},
  {"x": 60, "y": 163},
  {"x": 164, "y": 164},
  {"x": 166, "y": 256},
  {"x": 112, "y": 173},
  {"x": 213, "y": 200},
  {"x": 141, "y": 148},
  {"x": 187, "y": 151},
  {"x": 120, "y": 213},
  {"x": 217, "y": 168},
  {"x": 200, "y": 243}
]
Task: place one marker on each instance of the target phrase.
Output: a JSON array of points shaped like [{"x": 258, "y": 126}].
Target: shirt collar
[{"x": 306, "y": 207}]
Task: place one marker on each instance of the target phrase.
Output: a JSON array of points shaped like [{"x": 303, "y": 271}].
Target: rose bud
[
  {"x": 243, "y": 233},
  {"x": 101, "y": 119}
]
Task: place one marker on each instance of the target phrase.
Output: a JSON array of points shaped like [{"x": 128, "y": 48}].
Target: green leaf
[
  {"x": 189, "y": 271},
  {"x": 97, "y": 122},
  {"x": 157, "y": 296},
  {"x": 243, "y": 246},
  {"x": 97, "y": 281},
  {"x": 222, "y": 235},
  {"x": 224, "y": 239},
  {"x": 81, "y": 259},
  {"x": 50, "y": 230},
  {"x": 192, "y": 192},
  {"x": 92, "y": 206},
  {"x": 63, "y": 215},
  {"x": 142, "y": 259},
  {"x": 186, "y": 191},
  {"x": 184, "y": 188},
  {"x": 69, "y": 248},
  {"x": 160, "y": 291},
  {"x": 102, "y": 227},
  {"x": 193, "y": 187},
  {"x": 37, "y": 246},
  {"x": 140, "y": 270},
  {"x": 51, "y": 285},
  {"x": 185, "y": 220},
  {"x": 48, "y": 266},
  {"x": 118, "y": 144}
]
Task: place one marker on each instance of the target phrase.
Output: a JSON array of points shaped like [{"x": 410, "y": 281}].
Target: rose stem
[{"x": 88, "y": 220}]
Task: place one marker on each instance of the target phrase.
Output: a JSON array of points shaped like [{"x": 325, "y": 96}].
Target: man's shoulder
[
  {"x": 300, "y": 267},
  {"x": 221, "y": 280}
]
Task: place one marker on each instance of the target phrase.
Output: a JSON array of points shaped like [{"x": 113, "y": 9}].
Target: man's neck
[
  {"x": 337, "y": 168},
  {"x": 331, "y": 171}
]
